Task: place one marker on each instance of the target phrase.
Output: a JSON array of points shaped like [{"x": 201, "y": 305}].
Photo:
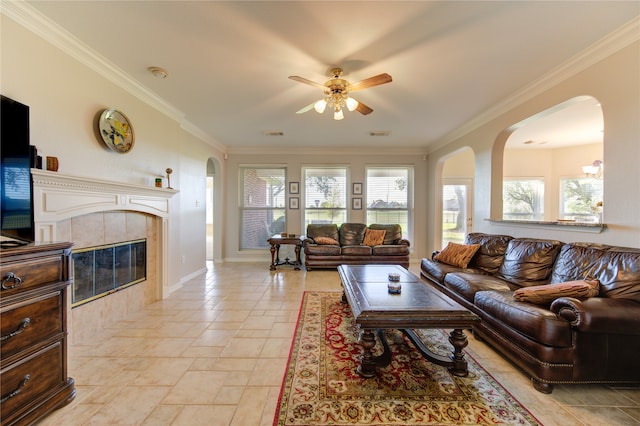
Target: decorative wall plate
[{"x": 116, "y": 130}]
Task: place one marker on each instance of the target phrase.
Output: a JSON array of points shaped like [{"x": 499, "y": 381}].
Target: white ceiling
[{"x": 228, "y": 61}]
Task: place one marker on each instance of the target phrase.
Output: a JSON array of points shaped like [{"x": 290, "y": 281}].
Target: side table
[{"x": 276, "y": 241}]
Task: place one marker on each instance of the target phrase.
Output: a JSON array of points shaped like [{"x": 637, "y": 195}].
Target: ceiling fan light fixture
[
  {"x": 320, "y": 106},
  {"x": 338, "y": 115},
  {"x": 352, "y": 104}
]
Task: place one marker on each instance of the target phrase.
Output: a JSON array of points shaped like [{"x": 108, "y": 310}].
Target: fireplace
[{"x": 95, "y": 213}]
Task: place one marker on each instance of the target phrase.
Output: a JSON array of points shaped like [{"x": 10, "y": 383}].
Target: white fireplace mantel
[{"x": 57, "y": 197}]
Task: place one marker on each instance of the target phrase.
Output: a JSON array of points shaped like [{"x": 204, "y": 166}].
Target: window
[
  {"x": 581, "y": 199},
  {"x": 523, "y": 199},
  {"x": 325, "y": 195},
  {"x": 389, "y": 196},
  {"x": 262, "y": 209}
]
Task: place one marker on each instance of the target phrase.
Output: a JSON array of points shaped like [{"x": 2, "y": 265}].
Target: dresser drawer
[
  {"x": 28, "y": 323},
  {"x": 32, "y": 377},
  {"x": 31, "y": 272}
]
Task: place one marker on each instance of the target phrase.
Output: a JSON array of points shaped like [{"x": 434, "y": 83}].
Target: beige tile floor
[{"x": 214, "y": 353}]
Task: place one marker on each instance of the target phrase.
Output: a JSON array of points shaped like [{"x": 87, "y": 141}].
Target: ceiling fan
[{"x": 336, "y": 91}]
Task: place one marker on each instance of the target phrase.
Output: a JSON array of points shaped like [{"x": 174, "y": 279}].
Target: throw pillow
[
  {"x": 373, "y": 237},
  {"x": 545, "y": 294},
  {"x": 457, "y": 254},
  {"x": 326, "y": 241}
]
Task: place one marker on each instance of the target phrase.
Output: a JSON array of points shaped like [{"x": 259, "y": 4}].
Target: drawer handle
[
  {"x": 11, "y": 278},
  {"x": 23, "y": 324},
  {"x": 24, "y": 381}
]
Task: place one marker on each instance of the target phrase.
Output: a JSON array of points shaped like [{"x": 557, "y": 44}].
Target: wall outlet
[{"x": 183, "y": 259}]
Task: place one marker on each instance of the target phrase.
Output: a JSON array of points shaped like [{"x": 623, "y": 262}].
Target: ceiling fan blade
[
  {"x": 370, "y": 82},
  {"x": 307, "y": 81},
  {"x": 307, "y": 108},
  {"x": 363, "y": 109}
]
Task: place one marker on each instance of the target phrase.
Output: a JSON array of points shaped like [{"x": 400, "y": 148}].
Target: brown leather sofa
[
  {"x": 350, "y": 248},
  {"x": 568, "y": 340}
]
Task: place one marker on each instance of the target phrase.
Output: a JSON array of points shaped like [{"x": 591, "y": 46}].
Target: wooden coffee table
[{"x": 418, "y": 305}]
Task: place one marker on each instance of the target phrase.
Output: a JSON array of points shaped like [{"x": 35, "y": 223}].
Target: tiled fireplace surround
[{"x": 91, "y": 212}]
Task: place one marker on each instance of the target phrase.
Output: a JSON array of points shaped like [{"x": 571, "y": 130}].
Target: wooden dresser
[{"x": 33, "y": 323}]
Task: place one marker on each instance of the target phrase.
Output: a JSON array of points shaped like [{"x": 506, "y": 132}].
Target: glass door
[{"x": 457, "y": 210}]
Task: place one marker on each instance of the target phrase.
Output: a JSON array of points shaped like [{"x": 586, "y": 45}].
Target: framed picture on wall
[
  {"x": 356, "y": 203},
  {"x": 294, "y": 188},
  {"x": 357, "y": 188},
  {"x": 294, "y": 203}
]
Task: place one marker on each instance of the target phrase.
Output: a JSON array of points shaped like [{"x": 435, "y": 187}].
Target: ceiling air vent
[
  {"x": 273, "y": 133},
  {"x": 379, "y": 133}
]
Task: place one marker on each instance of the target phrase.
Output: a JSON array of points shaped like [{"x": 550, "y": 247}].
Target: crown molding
[
  {"x": 288, "y": 150},
  {"x": 30, "y": 18},
  {"x": 612, "y": 43}
]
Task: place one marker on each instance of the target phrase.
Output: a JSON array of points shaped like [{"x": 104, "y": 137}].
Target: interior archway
[{"x": 542, "y": 164}]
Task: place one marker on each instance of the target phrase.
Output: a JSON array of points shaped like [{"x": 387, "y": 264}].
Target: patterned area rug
[{"x": 321, "y": 386}]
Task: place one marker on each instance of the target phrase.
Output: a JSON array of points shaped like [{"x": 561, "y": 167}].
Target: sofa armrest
[
  {"x": 404, "y": 242},
  {"x": 307, "y": 241},
  {"x": 600, "y": 314}
]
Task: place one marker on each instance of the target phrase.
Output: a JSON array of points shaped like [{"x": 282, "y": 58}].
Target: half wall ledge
[{"x": 595, "y": 228}]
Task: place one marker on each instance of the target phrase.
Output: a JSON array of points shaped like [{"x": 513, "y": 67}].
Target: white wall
[
  {"x": 64, "y": 97},
  {"x": 615, "y": 82}
]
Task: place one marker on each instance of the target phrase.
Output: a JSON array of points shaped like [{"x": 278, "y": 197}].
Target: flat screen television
[{"x": 16, "y": 188}]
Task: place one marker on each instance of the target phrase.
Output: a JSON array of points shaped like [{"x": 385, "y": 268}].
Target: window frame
[
  {"x": 306, "y": 207},
  {"x": 537, "y": 215},
  {"x": 243, "y": 208},
  {"x": 407, "y": 231},
  {"x": 595, "y": 215}
]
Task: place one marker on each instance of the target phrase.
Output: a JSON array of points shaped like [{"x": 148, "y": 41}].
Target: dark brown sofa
[
  {"x": 350, "y": 248},
  {"x": 568, "y": 340}
]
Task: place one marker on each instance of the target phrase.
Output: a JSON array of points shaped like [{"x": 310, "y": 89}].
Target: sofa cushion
[
  {"x": 399, "y": 250},
  {"x": 352, "y": 234},
  {"x": 457, "y": 254},
  {"x": 529, "y": 261},
  {"x": 315, "y": 230},
  {"x": 467, "y": 284},
  {"x": 438, "y": 270},
  {"x": 534, "y": 321},
  {"x": 393, "y": 233},
  {"x": 322, "y": 250},
  {"x": 492, "y": 249},
  {"x": 617, "y": 269},
  {"x": 326, "y": 240},
  {"x": 373, "y": 237},
  {"x": 545, "y": 294},
  {"x": 619, "y": 276},
  {"x": 356, "y": 250}
]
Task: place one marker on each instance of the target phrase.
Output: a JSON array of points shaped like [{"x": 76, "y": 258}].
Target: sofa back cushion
[
  {"x": 315, "y": 230},
  {"x": 490, "y": 256},
  {"x": 352, "y": 234},
  {"x": 529, "y": 261},
  {"x": 616, "y": 268},
  {"x": 393, "y": 233}
]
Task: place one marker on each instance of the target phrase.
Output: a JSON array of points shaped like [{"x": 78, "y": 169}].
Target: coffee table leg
[
  {"x": 272, "y": 267},
  {"x": 367, "y": 367},
  {"x": 298, "y": 262},
  {"x": 459, "y": 341}
]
